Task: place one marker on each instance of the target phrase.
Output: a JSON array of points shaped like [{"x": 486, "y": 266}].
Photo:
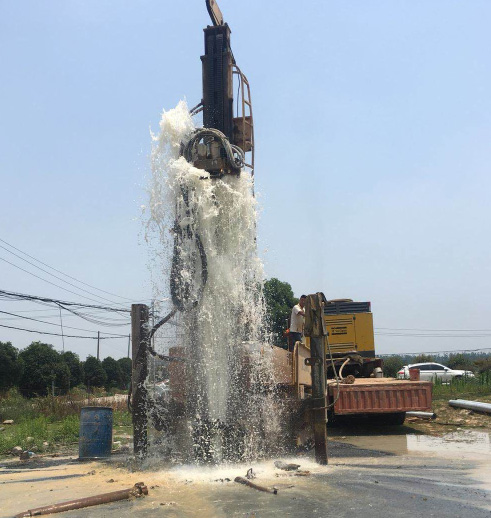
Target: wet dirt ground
[{"x": 370, "y": 475}]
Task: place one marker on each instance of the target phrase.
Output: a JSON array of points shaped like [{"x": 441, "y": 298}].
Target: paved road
[{"x": 358, "y": 482}]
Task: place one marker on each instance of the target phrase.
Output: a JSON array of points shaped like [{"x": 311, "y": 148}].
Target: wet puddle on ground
[{"x": 468, "y": 442}]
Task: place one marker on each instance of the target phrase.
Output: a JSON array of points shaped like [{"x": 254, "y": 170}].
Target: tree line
[
  {"x": 475, "y": 362},
  {"x": 37, "y": 368}
]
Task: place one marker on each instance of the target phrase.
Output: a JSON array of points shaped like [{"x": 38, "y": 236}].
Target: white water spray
[{"x": 206, "y": 230}]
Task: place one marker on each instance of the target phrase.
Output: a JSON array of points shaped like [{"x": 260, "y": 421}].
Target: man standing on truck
[{"x": 297, "y": 320}]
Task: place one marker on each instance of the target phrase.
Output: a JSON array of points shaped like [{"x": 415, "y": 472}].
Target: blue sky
[{"x": 373, "y": 125}]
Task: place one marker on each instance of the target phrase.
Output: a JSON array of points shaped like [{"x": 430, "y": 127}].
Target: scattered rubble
[
  {"x": 250, "y": 474},
  {"x": 286, "y": 467},
  {"x": 26, "y": 455}
]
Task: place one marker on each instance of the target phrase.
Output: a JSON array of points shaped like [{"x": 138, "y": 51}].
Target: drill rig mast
[{"x": 221, "y": 146}]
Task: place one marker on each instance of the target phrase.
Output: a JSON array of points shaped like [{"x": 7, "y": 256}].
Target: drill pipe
[
  {"x": 137, "y": 490},
  {"x": 242, "y": 480},
  {"x": 471, "y": 405}
]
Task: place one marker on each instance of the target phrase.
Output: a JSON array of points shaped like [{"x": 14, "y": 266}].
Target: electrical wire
[
  {"x": 59, "y": 271},
  {"x": 57, "y": 277},
  {"x": 58, "y": 334},
  {"x": 72, "y": 307},
  {"x": 43, "y": 313},
  {"x": 433, "y": 330},
  {"x": 10, "y": 295},
  {"x": 49, "y": 282},
  {"x": 53, "y": 324},
  {"x": 438, "y": 352},
  {"x": 416, "y": 335}
]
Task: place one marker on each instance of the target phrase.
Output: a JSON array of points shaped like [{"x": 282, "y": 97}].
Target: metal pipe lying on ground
[
  {"x": 136, "y": 491},
  {"x": 471, "y": 405},
  {"x": 242, "y": 480},
  {"x": 422, "y": 415}
]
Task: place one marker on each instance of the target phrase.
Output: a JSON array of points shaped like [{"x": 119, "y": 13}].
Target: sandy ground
[{"x": 370, "y": 475}]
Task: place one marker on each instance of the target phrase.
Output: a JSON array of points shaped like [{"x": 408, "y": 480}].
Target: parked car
[{"x": 432, "y": 371}]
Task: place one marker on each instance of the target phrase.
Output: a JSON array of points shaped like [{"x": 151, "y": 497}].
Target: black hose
[{"x": 180, "y": 289}]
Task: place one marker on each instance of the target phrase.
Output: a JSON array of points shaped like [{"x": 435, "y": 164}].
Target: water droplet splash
[{"x": 220, "y": 403}]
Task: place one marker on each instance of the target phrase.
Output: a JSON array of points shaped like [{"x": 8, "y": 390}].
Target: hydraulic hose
[
  {"x": 342, "y": 367},
  {"x": 180, "y": 289},
  {"x": 235, "y": 155}
]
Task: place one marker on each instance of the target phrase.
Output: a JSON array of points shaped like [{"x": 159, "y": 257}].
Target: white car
[{"x": 432, "y": 371}]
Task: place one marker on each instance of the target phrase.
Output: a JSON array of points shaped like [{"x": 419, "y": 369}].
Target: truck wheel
[{"x": 395, "y": 419}]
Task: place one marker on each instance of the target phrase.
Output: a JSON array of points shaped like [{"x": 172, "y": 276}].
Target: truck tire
[{"x": 395, "y": 419}]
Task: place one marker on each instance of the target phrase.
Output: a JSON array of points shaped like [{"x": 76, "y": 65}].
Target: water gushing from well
[{"x": 206, "y": 246}]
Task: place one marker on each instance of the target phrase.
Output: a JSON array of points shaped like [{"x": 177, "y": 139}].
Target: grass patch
[
  {"x": 14, "y": 406},
  {"x": 52, "y": 420},
  {"x": 463, "y": 388},
  {"x": 122, "y": 418},
  {"x": 30, "y": 435}
]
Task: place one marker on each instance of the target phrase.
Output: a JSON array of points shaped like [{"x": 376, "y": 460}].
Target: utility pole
[
  {"x": 139, "y": 372},
  {"x": 129, "y": 343},
  {"x": 98, "y": 342},
  {"x": 315, "y": 328},
  {"x": 62, "y": 336}
]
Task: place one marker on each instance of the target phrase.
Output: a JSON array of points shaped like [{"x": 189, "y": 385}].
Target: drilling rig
[
  {"x": 225, "y": 145},
  {"x": 224, "y": 150}
]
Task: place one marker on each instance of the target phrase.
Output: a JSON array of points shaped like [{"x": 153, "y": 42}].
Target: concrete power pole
[{"x": 139, "y": 372}]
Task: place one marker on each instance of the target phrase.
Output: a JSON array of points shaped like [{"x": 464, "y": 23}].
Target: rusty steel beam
[
  {"x": 136, "y": 491},
  {"x": 214, "y": 12},
  {"x": 242, "y": 480},
  {"x": 315, "y": 328}
]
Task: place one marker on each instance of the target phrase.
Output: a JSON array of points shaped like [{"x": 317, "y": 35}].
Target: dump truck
[{"x": 355, "y": 383}]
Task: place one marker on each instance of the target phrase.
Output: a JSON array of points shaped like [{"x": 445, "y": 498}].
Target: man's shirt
[{"x": 296, "y": 320}]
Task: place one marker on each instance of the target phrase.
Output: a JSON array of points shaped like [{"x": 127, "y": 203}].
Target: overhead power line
[
  {"x": 439, "y": 352},
  {"x": 423, "y": 335},
  {"x": 72, "y": 307},
  {"x": 433, "y": 330},
  {"x": 52, "y": 283},
  {"x": 57, "y": 277},
  {"x": 59, "y": 271},
  {"x": 53, "y": 324},
  {"x": 10, "y": 295},
  {"x": 53, "y": 313},
  {"x": 59, "y": 334}
]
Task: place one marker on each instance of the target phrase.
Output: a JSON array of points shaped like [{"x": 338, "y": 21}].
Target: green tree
[
  {"x": 114, "y": 375},
  {"x": 483, "y": 365},
  {"x": 279, "y": 300},
  {"x": 392, "y": 365},
  {"x": 76, "y": 368},
  {"x": 125, "y": 364},
  {"x": 42, "y": 366},
  {"x": 95, "y": 375},
  {"x": 460, "y": 361},
  {"x": 11, "y": 367},
  {"x": 423, "y": 358}
]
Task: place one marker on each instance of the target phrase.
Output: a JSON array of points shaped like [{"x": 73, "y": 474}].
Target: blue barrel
[{"x": 96, "y": 432}]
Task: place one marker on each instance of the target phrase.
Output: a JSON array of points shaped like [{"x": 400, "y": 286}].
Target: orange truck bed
[{"x": 381, "y": 395}]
